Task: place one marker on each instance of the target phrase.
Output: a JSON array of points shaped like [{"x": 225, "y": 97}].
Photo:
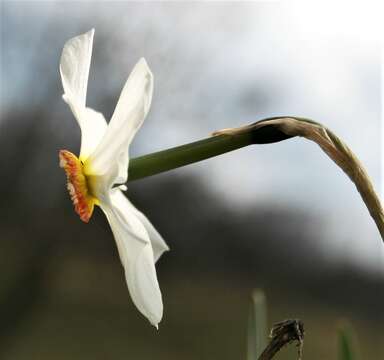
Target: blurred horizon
[{"x": 280, "y": 217}]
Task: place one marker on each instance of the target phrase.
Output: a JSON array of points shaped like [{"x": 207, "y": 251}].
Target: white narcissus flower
[{"x": 95, "y": 177}]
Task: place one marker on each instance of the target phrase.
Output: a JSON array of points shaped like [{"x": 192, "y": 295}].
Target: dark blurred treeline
[{"x": 275, "y": 248}]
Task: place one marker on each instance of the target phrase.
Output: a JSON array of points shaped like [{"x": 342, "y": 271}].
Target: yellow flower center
[{"x": 82, "y": 198}]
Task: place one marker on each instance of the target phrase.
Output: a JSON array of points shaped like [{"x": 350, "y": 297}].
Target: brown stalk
[{"x": 333, "y": 146}]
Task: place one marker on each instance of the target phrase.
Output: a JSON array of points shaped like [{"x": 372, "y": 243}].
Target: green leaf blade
[
  {"x": 346, "y": 347},
  {"x": 257, "y": 325}
]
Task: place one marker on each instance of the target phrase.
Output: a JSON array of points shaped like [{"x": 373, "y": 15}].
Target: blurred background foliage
[{"x": 281, "y": 217}]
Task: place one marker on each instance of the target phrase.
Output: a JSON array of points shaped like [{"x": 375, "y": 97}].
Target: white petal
[
  {"x": 124, "y": 205},
  {"x": 159, "y": 246},
  {"x": 74, "y": 70},
  {"x": 111, "y": 155},
  {"x": 93, "y": 127},
  {"x": 138, "y": 260}
]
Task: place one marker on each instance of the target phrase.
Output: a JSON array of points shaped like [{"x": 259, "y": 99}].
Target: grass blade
[
  {"x": 346, "y": 348},
  {"x": 257, "y": 325}
]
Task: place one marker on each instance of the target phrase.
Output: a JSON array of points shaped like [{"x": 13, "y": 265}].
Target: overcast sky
[{"x": 219, "y": 65}]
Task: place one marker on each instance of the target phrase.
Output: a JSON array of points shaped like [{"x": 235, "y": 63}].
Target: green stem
[
  {"x": 265, "y": 131},
  {"x": 173, "y": 158}
]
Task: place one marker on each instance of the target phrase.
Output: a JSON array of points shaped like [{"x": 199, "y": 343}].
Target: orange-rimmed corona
[{"x": 77, "y": 185}]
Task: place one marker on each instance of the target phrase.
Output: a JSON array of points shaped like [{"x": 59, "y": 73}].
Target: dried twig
[{"x": 283, "y": 333}]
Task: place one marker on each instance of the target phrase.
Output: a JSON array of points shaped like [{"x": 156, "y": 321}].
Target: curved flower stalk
[
  {"x": 266, "y": 131},
  {"x": 95, "y": 177}
]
